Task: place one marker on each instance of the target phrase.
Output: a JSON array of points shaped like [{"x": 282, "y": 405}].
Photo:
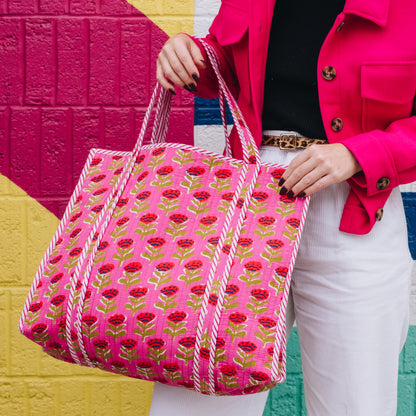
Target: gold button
[
  {"x": 379, "y": 214},
  {"x": 383, "y": 183},
  {"x": 337, "y": 124},
  {"x": 341, "y": 25},
  {"x": 329, "y": 73}
]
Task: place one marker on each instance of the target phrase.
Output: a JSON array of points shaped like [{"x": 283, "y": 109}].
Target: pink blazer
[{"x": 372, "y": 46}]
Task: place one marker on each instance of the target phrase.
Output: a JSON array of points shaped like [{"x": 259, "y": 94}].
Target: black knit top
[{"x": 298, "y": 31}]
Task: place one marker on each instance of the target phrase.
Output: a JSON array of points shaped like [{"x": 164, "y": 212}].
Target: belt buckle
[{"x": 288, "y": 142}]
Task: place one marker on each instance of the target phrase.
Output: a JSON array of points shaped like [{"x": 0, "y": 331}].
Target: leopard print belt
[{"x": 290, "y": 141}]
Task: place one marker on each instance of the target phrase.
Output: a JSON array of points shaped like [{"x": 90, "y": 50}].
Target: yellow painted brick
[
  {"x": 41, "y": 226},
  {"x": 41, "y": 395},
  {"x": 178, "y": 8},
  {"x": 12, "y": 188},
  {"x": 136, "y": 396},
  {"x": 12, "y": 237},
  {"x": 148, "y": 7},
  {"x": 105, "y": 398},
  {"x": 12, "y": 397},
  {"x": 5, "y": 332},
  {"x": 73, "y": 397},
  {"x": 4, "y": 185},
  {"x": 175, "y": 25}
]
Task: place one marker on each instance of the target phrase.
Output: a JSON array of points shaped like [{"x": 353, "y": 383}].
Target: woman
[{"x": 335, "y": 82}]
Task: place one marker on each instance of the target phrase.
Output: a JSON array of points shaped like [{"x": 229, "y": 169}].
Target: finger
[
  {"x": 189, "y": 71},
  {"x": 197, "y": 56},
  {"x": 320, "y": 184},
  {"x": 163, "y": 81},
  {"x": 170, "y": 67},
  {"x": 308, "y": 181},
  {"x": 295, "y": 173}
]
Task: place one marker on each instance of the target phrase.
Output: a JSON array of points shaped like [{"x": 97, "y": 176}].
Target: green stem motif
[
  {"x": 168, "y": 205},
  {"x": 183, "y": 157},
  {"x": 162, "y": 181},
  {"x": 250, "y": 278},
  {"x": 192, "y": 182},
  {"x": 285, "y": 209}
]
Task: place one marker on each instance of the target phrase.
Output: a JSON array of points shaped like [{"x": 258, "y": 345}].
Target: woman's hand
[
  {"x": 178, "y": 63},
  {"x": 318, "y": 167}
]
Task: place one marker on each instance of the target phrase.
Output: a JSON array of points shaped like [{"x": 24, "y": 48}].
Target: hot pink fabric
[{"x": 372, "y": 46}]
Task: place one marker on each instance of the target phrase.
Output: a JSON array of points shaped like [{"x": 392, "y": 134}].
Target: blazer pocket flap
[
  {"x": 389, "y": 82},
  {"x": 231, "y": 23}
]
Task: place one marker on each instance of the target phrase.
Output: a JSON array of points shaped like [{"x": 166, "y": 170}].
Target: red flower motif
[
  {"x": 275, "y": 244},
  {"x": 165, "y": 266},
  {"x": 171, "y": 193},
  {"x": 144, "y": 364},
  {"x": 142, "y": 176},
  {"x": 106, "y": 268},
  {"x": 125, "y": 243},
  {"x": 133, "y": 267},
  {"x": 253, "y": 266},
  {"x": 75, "y": 232},
  {"x": 237, "y": 318},
  {"x": 213, "y": 299},
  {"x": 193, "y": 265},
  {"x": 156, "y": 343},
  {"x": 245, "y": 242},
  {"x": 97, "y": 208},
  {"x": 62, "y": 324},
  {"x": 78, "y": 200},
  {"x": 96, "y": 161},
  {"x": 266, "y": 221},
  {"x": 59, "y": 241},
  {"x": 178, "y": 218},
  {"x": 116, "y": 157},
  {"x": 208, "y": 220},
  {"x": 89, "y": 320},
  {"x": 95, "y": 237},
  {"x": 187, "y": 342},
  {"x": 78, "y": 285},
  {"x": 185, "y": 243},
  {"x": 260, "y": 196},
  {"x": 223, "y": 173},
  {"x": 270, "y": 350},
  {"x": 240, "y": 203},
  {"x": 88, "y": 294},
  {"x": 202, "y": 196},
  {"x": 213, "y": 240},
  {"x": 75, "y": 217},
  {"x": 39, "y": 328},
  {"x": 259, "y": 376},
  {"x": 220, "y": 343},
  {"x": 139, "y": 159},
  {"x": 55, "y": 260},
  {"x": 103, "y": 245},
  {"x": 228, "y": 371},
  {"x": 177, "y": 316},
  {"x": 75, "y": 252},
  {"x": 57, "y": 278},
  {"x": 293, "y": 222},
  {"x": 277, "y": 174},
  {"x": 118, "y": 171},
  {"x": 156, "y": 242},
  {"x": 187, "y": 384},
  {"x": 97, "y": 178},
  {"x": 195, "y": 171},
  {"x": 139, "y": 292},
  {"x": 158, "y": 151},
  {"x": 145, "y": 317},
  {"x": 148, "y": 218},
  {"x": 231, "y": 289},
  {"x": 169, "y": 290},
  {"x": 100, "y": 191},
  {"x": 100, "y": 344},
  {"x": 282, "y": 271},
  {"x": 54, "y": 345},
  {"x": 226, "y": 248},
  {"x": 171, "y": 367},
  {"x": 165, "y": 170},
  {"x": 251, "y": 159},
  {"x": 228, "y": 196},
  {"x": 58, "y": 300},
  {"x": 287, "y": 199},
  {"x": 122, "y": 221},
  {"x": 247, "y": 346},
  {"x": 198, "y": 290},
  {"x": 117, "y": 364},
  {"x": 260, "y": 294},
  {"x": 116, "y": 319},
  {"x": 110, "y": 293},
  {"x": 204, "y": 353},
  {"x": 143, "y": 195},
  {"x": 267, "y": 322}
]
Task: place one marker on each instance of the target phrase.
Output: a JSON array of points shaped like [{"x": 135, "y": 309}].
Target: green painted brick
[
  {"x": 406, "y": 395},
  {"x": 409, "y": 352}
]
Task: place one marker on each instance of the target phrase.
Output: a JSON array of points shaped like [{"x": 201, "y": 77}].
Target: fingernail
[
  {"x": 187, "y": 88},
  {"x": 290, "y": 194},
  {"x": 283, "y": 191},
  {"x": 301, "y": 194},
  {"x": 281, "y": 182},
  {"x": 195, "y": 77},
  {"x": 172, "y": 91},
  {"x": 192, "y": 87}
]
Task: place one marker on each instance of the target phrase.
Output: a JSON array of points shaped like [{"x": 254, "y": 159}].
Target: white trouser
[{"x": 350, "y": 297}]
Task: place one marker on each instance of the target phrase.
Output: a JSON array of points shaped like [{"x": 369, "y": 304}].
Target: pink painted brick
[
  {"x": 134, "y": 68},
  {"x": 138, "y": 120},
  {"x": 115, "y": 8},
  {"x": 40, "y": 62},
  {"x": 11, "y": 58},
  {"x": 157, "y": 40},
  {"x": 83, "y": 7},
  {"x": 23, "y": 6},
  {"x": 55, "y": 175},
  {"x": 72, "y": 38},
  {"x": 104, "y": 62},
  {"x": 4, "y": 140},
  {"x": 25, "y": 149},
  {"x": 119, "y": 129},
  {"x": 181, "y": 126},
  {"x": 86, "y": 132},
  {"x": 53, "y": 6}
]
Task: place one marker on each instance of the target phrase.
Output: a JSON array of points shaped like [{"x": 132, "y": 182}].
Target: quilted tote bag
[{"x": 172, "y": 264}]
